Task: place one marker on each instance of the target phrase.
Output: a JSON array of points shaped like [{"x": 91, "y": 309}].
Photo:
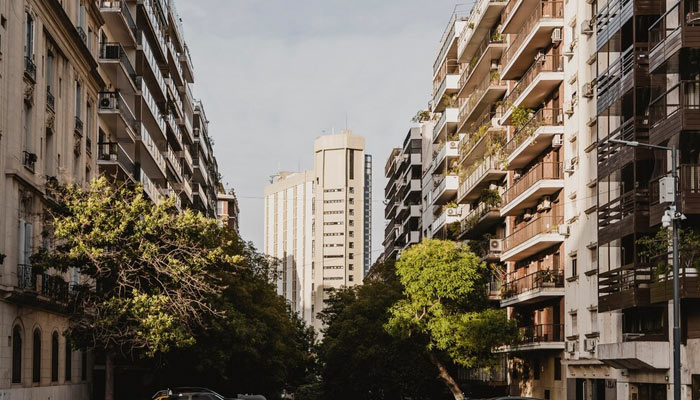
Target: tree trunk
[
  {"x": 445, "y": 377},
  {"x": 109, "y": 377}
]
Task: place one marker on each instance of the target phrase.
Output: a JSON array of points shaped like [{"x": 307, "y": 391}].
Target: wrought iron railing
[
  {"x": 546, "y": 278},
  {"x": 539, "y": 225},
  {"x": 541, "y": 171},
  {"x": 542, "y": 333},
  {"x": 26, "y": 278}
]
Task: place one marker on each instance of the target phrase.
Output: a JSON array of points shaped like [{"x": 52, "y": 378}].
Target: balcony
[
  {"x": 532, "y": 288},
  {"x": 50, "y": 100},
  {"x": 116, "y": 64},
  {"x": 448, "y": 150},
  {"x": 679, "y": 27},
  {"x": 185, "y": 189},
  {"x": 490, "y": 49},
  {"x": 448, "y": 85},
  {"x": 479, "y": 220},
  {"x": 120, "y": 20},
  {"x": 54, "y": 287},
  {"x": 624, "y": 287},
  {"x": 447, "y": 218},
  {"x": 627, "y": 71},
  {"x": 676, "y": 110},
  {"x": 78, "y": 126},
  {"x": 29, "y": 160},
  {"x": 30, "y": 69},
  {"x": 152, "y": 27},
  {"x": 174, "y": 132},
  {"x": 117, "y": 115},
  {"x": 445, "y": 188},
  {"x": 448, "y": 42},
  {"x": 481, "y": 97},
  {"x": 543, "y": 179},
  {"x": 151, "y": 116},
  {"x": 201, "y": 197},
  {"x": 447, "y": 123},
  {"x": 479, "y": 134},
  {"x": 154, "y": 165},
  {"x": 173, "y": 162},
  {"x": 483, "y": 17},
  {"x": 187, "y": 157},
  {"x": 688, "y": 194},
  {"x": 538, "y": 337},
  {"x": 113, "y": 161},
  {"x": 150, "y": 70},
  {"x": 149, "y": 187},
  {"x": 482, "y": 175},
  {"x": 535, "y": 33},
  {"x": 639, "y": 355},
  {"x": 534, "y": 137},
  {"x": 186, "y": 62},
  {"x": 623, "y": 215},
  {"x": 539, "y": 234},
  {"x": 26, "y": 277},
  {"x": 542, "y": 78}
]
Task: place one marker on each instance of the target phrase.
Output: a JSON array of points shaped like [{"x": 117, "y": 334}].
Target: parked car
[{"x": 189, "y": 393}]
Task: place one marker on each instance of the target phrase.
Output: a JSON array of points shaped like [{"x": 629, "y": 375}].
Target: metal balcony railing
[
  {"x": 78, "y": 125},
  {"x": 684, "y": 95},
  {"x": 54, "y": 287},
  {"x": 30, "y": 68},
  {"x": 120, "y": 5},
  {"x": 50, "y": 99},
  {"x": 541, "y": 171},
  {"x": 541, "y": 333},
  {"x": 543, "y": 117},
  {"x": 545, "y": 9},
  {"x": 545, "y": 63},
  {"x": 81, "y": 33},
  {"x": 545, "y": 278},
  {"x": 539, "y": 225},
  {"x": 115, "y": 51},
  {"x": 115, "y": 102},
  {"x": 26, "y": 278},
  {"x": 112, "y": 151},
  {"x": 29, "y": 160}
]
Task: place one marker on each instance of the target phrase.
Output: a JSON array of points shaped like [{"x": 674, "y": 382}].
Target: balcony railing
[
  {"x": 541, "y": 171},
  {"x": 54, "y": 287},
  {"x": 115, "y": 102},
  {"x": 153, "y": 19},
  {"x": 30, "y": 68},
  {"x": 543, "y": 117},
  {"x": 78, "y": 125},
  {"x": 26, "y": 278},
  {"x": 542, "y": 333},
  {"x": 461, "y": 13},
  {"x": 546, "y": 9},
  {"x": 489, "y": 163},
  {"x": 673, "y": 20},
  {"x": 81, "y": 33},
  {"x": 50, "y": 99},
  {"x": 540, "y": 225},
  {"x": 120, "y": 5},
  {"x": 684, "y": 95},
  {"x": 467, "y": 105},
  {"x": 492, "y": 37},
  {"x": 475, "y": 215},
  {"x": 112, "y": 151},
  {"x": 546, "y": 63},
  {"x": 546, "y": 278},
  {"x": 624, "y": 206},
  {"x": 115, "y": 51},
  {"x": 29, "y": 160}
]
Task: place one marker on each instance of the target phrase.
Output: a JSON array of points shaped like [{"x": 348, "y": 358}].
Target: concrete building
[
  {"x": 227, "y": 208},
  {"x": 367, "y": 246},
  {"x": 402, "y": 195},
  {"x": 289, "y": 237},
  {"x": 88, "y": 88},
  {"x": 315, "y": 224}
]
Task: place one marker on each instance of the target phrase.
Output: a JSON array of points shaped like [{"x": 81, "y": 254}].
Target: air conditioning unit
[
  {"x": 453, "y": 212},
  {"x": 560, "y": 118},
  {"x": 587, "y": 27},
  {"x": 588, "y": 90},
  {"x": 571, "y": 346},
  {"x": 589, "y": 345},
  {"x": 528, "y": 214},
  {"x": 108, "y": 102},
  {"x": 495, "y": 245},
  {"x": 494, "y": 66},
  {"x": 568, "y": 109},
  {"x": 556, "y": 35},
  {"x": 563, "y": 230},
  {"x": 557, "y": 141},
  {"x": 454, "y": 144},
  {"x": 545, "y": 204}
]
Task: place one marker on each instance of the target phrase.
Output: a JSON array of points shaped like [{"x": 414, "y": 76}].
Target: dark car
[{"x": 188, "y": 393}]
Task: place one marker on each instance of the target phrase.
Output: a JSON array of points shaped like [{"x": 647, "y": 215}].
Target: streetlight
[{"x": 671, "y": 217}]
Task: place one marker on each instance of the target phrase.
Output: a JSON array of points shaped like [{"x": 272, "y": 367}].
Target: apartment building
[
  {"x": 227, "y": 209},
  {"x": 402, "y": 194},
  {"x": 88, "y": 88},
  {"x": 367, "y": 246},
  {"x": 315, "y": 224}
]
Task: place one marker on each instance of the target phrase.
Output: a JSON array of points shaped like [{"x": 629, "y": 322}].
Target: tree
[
  {"x": 358, "y": 358},
  {"x": 446, "y": 305},
  {"x": 658, "y": 250},
  {"x": 146, "y": 270}
]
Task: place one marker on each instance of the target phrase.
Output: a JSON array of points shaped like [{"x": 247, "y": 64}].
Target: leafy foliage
[{"x": 657, "y": 250}]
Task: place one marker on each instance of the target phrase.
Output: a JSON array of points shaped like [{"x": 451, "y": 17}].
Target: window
[
  {"x": 29, "y": 40},
  {"x": 78, "y": 99},
  {"x": 332, "y": 201},
  {"x": 351, "y": 278},
  {"x": 49, "y": 71},
  {"x": 557, "y": 369},
  {"x": 54, "y": 357},
  {"x": 351, "y": 222},
  {"x": 27, "y": 128},
  {"x": 351, "y": 256},
  {"x": 351, "y": 164},
  {"x": 36, "y": 356},
  {"x": 574, "y": 265},
  {"x": 351, "y": 190},
  {"x": 594, "y": 321},
  {"x": 351, "y": 233},
  {"x": 88, "y": 127},
  {"x": 69, "y": 361},
  {"x": 26, "y": 237},
  {"x": 351, "y": 200},
  {"x": 574, "y": 324},
  {"x": 351, "y": 245},
  {"x": 16, "y": 354},
  {"x": 350, "y": 267},
  {"x": 351, "y": 212}
]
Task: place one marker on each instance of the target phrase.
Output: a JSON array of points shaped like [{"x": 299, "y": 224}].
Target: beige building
[
  {"x": 315, "y": 224},
  {"x": 86, "y": 88}
]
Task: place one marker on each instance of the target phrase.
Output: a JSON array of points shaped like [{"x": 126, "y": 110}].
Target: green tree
[
  {"x": 446, "y": 306},
  {"x": 146, "y": 270},
  {"x": 358, "y": 358}
]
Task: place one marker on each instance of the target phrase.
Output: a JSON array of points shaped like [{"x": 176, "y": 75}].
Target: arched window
[
  {"x": 69, "y": 361},
  {"x": 17, "y": 354},
  {"x": 36, "y": 356},
  {"x": 54, "y": 357}
]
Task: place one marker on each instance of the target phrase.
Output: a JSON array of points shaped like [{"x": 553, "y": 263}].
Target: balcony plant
[
  {"x": 520, "y": 116},
  {"x": 656, "y": 250},
  {"x": 421, "y": 116},
  {"x": 490, "y": 197},
  {"x": 546, "y": 278},
  {"x": 451, "y": 204},
  {"x": 508, "y": 291}
]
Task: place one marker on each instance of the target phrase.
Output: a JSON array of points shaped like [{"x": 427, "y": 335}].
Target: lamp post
[{"x": 672, "y": 218}]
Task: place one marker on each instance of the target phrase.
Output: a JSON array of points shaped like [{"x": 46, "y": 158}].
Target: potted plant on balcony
[
  {"x": 507, "y": 291},
  {"x": 490, "y": 197},
  {"x": 546, "y": 278}
]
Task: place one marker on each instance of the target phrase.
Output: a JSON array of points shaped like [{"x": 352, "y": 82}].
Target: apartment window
[
  {"x": 332, "y": 201},
  {"x": 333, "y": 256},
  {"x": 351, "y": 200},
  {"x": 49, "y": 71},
  {"x": 78, "y": 99},
  {"x": 574, "y": 324},
  {"x": 81, "y": 15},
  {"x": 594, "y": 321},
  {"x": 17, "y": 354},
  {"x": 54, "y": 357},
  {"x": 557, "y": 369},
  {"x": 594, "y": 258},
  {"x": 27, "y": 128},
  {"x": 36, "y": 356},
  {"x": 351, "y": 212},
  {"x": 351, "y": 222},
  {"x": 69, "y": 361},
  {"x": 351, "y": 256},
  {"x": 26, "y": 238},
  {"x": 351, "y": 233},
  {"x": 88, "y": 128},
  {"x": 351, "y": 190},
  {"x": 351, "y": 278},
  {"x": 333, "y": 212},
  {"x": 536, "y": 369},
  {"x": 351, "y": 245},
  {"x": 351, "y": 164},
  {"x": 333, "y": 234},
  {"x": 574, "y": 265},
  {"x": 29, "y": 40},
  {"x": 351, "y": 267}
]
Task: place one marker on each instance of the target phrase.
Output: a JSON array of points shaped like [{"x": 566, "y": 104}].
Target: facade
[
  {"x": 402, "y": 195},
  {"x": 367, "y": 245},
  {"x": 315, "y": 224},
  {"x": 227, "y": 208},
  {"x": 88, "y": 88},
  {"x": 289, "y": 237}
]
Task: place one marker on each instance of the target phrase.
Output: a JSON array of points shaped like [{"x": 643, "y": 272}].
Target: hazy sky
[{"x": 276, "y": 74}]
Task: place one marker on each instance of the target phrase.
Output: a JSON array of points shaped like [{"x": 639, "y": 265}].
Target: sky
[{"x": 275, "y": 74}]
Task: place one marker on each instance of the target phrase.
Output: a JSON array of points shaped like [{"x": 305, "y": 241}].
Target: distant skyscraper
[{"x": 316, "y": 224}]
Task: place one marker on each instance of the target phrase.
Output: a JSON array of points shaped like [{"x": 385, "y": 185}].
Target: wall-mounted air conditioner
[
  {"x": 587, "y": 27},
  {"x": 588, "y": 90},
  {"x": 557, "y": 141},
  {"x": 589, "y": 345},
  {"x": 496, "y": 245},
  {"x": 556, "y": 35}
]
